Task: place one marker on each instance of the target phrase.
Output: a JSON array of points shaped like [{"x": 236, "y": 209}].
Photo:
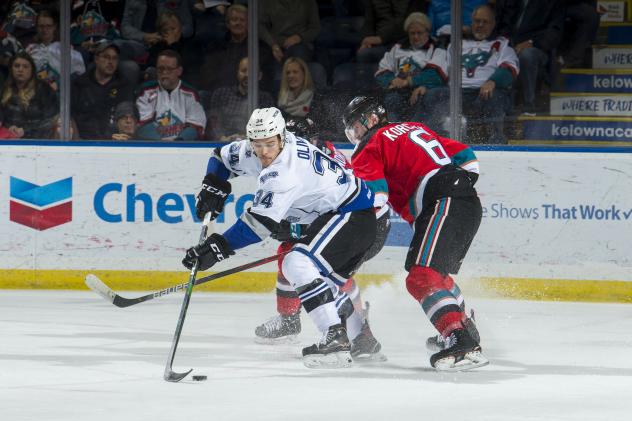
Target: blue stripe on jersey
[
  {"x": 363, "y": 200},
  {"x": 217, "y": 167},
  {"x": 325, "y": 235},
  {"x": 465, "y": 155},
  {"x": 240, "y": 235},
  {"x": 378, "y": 186},
  {"x": 433, "y": 229}
]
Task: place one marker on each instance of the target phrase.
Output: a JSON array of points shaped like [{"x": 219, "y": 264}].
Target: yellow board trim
[
  {"x": 516, "y": 288},
  {"x": 123, "y": 280},
  {"x": 559, "y": 289}
]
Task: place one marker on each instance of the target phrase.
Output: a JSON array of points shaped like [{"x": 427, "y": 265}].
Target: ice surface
[{"x": 73, "y": 356}]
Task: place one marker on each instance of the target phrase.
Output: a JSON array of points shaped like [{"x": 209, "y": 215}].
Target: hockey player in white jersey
[{"x": 302, "y": 194}]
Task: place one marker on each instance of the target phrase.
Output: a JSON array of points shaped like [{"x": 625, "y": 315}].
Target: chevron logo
[{"x": 40, "y": 207}]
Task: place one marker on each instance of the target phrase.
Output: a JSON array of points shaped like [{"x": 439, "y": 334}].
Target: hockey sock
[
  {"x": 352, "y": 290},
  {"x": 288, "y": 302},
  {"x": 451, "y": 286},
  {"x": 441, "y": 307},
  {"x": 318, "y": 300}
]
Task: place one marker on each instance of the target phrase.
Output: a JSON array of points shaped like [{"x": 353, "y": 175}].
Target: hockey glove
[
  {"x": 214, "y": 249},
  {"x": 211, "y": 198},
  {"x": 288, "y": 231}
]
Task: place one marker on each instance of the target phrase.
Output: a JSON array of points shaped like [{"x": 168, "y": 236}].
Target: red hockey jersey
[{"x": 399, "y": 159}]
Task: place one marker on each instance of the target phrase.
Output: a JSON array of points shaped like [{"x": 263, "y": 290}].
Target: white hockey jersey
[
  {"x": 406, "y": 62},
  {"x": 300, "y": 185},
  {"x": 47, "y": 60},
  {"x": 480, "y": 59},
  {"x": 172, "y": 111}
]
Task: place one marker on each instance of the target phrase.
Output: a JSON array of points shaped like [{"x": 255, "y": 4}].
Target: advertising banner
[{"x": 549, "y": 215}]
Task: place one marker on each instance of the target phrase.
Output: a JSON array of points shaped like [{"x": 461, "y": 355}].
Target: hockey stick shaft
[
  {"x": 106, "y": 292},
  {"x": 169, "y": 374}
]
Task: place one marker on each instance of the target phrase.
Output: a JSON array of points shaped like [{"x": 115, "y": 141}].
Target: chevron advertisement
[
  {"x": 551, "y": 214},
  {"x": 40, "y": 207}
]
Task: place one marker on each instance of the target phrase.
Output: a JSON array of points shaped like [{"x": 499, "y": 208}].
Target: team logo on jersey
[
  {"x": 40, "y": 207},
  {"x": 169, "y": 125},
  {"x": 474, "y": 60}
]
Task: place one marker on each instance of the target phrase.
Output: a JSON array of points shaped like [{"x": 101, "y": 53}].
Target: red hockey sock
[
  {"x": 288, "y": 302},
  {"x": 427, "y": 286}
]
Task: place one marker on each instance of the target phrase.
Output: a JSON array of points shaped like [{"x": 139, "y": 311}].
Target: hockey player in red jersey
[
  {"x": 284, "y": 326},
  {"x": 429, "y": 181}
]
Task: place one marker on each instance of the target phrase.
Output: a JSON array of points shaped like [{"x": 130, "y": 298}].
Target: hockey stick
[
  {"x": 98, "y": 286},
  {"x": 170, "y": 375}
]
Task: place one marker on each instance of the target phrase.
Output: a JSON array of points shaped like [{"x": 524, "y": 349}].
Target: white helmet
[{"x": 265, "y": 123}]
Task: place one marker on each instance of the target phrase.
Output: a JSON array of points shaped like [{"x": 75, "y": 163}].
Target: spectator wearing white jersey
[
  {"x": 488, "y": 68},
  {"x": 411, "y": 67},
  {"x": 170, "y": 108}
]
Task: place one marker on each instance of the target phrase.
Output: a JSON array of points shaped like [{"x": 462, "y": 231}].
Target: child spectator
[{"x": 125, "y": 121}]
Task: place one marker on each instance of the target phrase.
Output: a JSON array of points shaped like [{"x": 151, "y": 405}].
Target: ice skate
[
  {"x": 463, "y": 353},
  {"x": 438, "y": 343},
  {"x": 279, "y": 329},
  {"x": 332, "y": 351},
  {"x": 364, "y": 347}
]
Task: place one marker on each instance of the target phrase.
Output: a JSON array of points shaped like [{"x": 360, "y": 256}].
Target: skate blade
[
  {"x": 470, "y": 361},
  {"x": 340, "y": 359},
  {"x": 376, "y": 357},
  {"x": 282, "y": 340}
]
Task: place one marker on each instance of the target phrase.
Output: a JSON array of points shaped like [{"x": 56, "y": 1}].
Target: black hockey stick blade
[
  {"x": 98, "y": 286},
  {"x": 172, "y": 376}
]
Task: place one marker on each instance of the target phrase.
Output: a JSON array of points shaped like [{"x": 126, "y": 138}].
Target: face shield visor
[{"x": 356, "y": 130}]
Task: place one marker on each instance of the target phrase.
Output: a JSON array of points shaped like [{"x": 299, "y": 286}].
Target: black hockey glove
[
  {"x": 211, "y": 198},
  {"x": 288, "y": 231},
  {"x": 214, "y": 249}
]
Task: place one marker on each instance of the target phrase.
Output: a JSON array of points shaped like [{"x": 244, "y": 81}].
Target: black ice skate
[
  {"x": 438, "y": 343},
  {"x": 332, "y": 351},
  {"x": 364, "y": 347},
  {"x": 463, "y": 353},
  {"x": 279, "y": 329}
]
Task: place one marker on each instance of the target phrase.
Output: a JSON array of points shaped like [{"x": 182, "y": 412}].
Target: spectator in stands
[
  {"x": 170, "y": 31},
  {"x": 29, "y": 105},
  {"x": 125, "y": 120},
  {"x": 580, "y": 30},
  {"x": 489, "y": 67},
  {"x": 9, "y": 133},
  {"x": 139, "y": 23},
  {"x": 228, "y": 112},
  {"x": 289, "y": 27},
  {"x": 439, "y": 13},
  {"x": 210, "y": 22},
  {"x": 96, "y": 22},
  {"x": 9, "y": 46},
  {"x": 224, "y": 57},
  {"x": 20, "y": 21},
  {"x": 297, "y": 88},
  {"x": 383, "y": 23},
  {"x": 534, "y": 30},
  {"x": 96, "y": 93},
  {"x": 46, "y": 51},
  {"x": 413, "y": 65},
  {"x": 169, "y": 108}
]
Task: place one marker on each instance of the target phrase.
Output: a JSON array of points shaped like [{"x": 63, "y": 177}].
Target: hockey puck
[{"x": 199, "y": 378}]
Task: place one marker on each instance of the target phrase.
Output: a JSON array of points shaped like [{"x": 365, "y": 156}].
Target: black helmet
[
  {"x": 359, "y": 109},
  {"x": 302, "y": 127}
]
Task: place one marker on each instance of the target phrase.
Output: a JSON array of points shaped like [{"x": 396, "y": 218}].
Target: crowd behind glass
[{"x": 177, "y": 70}]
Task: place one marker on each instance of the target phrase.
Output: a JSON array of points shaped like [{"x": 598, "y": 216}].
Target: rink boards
[{"x": 556, "y": 224}]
